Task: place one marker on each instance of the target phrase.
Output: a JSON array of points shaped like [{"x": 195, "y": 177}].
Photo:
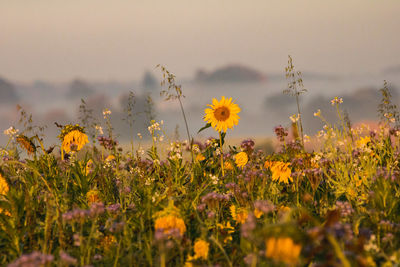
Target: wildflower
[
  {"x": 294, "y": 118},
  {"x": 241, "y": 159},
  {"x": 280, "y": 171},
  {"x": 239, "y": 215},
  {"x": 108, "y": 241},
  {"x": 169, "y": 222},
  {"x": 201, "y": 249},
  {"x": 363, "y": 142},
  {"x": 99, "y": 129},
  {"x": 318, "y": 113},
  {"x": 34, "y": 259},
  {"x": 110, "y": 158},
  {"x": 89, "y": 167},
  {"x": 106, "y": 113},
  {"x": 67, "y": 259},
  {"x": 200, "y": 157},
  {"x": 281, "y": 133},
  {"x": 228, "y": 166},
  {"x": 169, "y": 219},
  {"x": 247, "y": 145},
  {"x": 336, "y": 100},
  {"x": 227, "y": 231},
  {"x": 3, "y": 186},
  {"x": 282, "y": 249},
  {"x": 11, "y": 132},
  {"x": 222, "y": 114},
  {"x": 258, "y": 213},
  {"x": 26, "y": 143},
  {"x": 140, "y": 135},
  {"x": 93, "y": 196},
  {"x": 73, "y": 135}
]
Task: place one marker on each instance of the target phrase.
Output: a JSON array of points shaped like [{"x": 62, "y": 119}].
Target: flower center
[{"x": 222, "y": 113}]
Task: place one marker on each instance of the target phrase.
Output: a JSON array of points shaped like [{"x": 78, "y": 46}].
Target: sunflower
[
  {"x": 73, "y": 136},
  {"x": 26, "y": 143},
  {"x": 223, "y": 114}
]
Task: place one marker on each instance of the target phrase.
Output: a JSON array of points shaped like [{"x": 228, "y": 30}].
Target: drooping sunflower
[
  {"x": 26, "y": 143},
  {"x": 222, "y": 114},
  {"x": 73, "y": 135}
]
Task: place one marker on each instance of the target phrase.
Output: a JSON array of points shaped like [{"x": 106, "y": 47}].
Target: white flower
[
  {"x": 336, "y": 100},
  {"x": 99, "y": 129},
  {"x": 318, "y": 113},
  {"x": 106, "y": 113},
  {"x": 294, "y": 118},
  {"x": 140, "y": 135},
  {"x": 11, "y": 132},
  {"x": 161, "y": 138}
]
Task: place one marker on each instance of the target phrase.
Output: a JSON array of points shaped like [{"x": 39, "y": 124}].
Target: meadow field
[{"x": 326, "y": 200}]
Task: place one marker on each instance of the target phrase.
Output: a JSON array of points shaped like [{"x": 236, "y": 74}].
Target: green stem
[{"x": 222, "y": 154}]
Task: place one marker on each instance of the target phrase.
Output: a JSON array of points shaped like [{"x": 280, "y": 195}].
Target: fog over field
[{"x": 53, "y": 53}]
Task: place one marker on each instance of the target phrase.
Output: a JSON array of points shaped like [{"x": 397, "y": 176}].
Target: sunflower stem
[{"x": 222, "y": 154}]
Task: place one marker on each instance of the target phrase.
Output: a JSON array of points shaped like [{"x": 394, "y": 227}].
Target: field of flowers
[{"x": 90, "y": 202}]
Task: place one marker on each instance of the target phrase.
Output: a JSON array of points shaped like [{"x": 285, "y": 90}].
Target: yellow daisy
[
  {"x": 241, "y": 159},
  {"x": 222, "y": 114}
]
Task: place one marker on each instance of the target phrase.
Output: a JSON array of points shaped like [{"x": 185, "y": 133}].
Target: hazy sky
[{"x": 118, "y": 39}]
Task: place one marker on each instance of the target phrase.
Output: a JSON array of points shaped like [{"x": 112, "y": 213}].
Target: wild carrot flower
[
  {"x": 241, "y": 159},
  {"x": 222, "y": 114},
  {"x": 282, "y": 249},
  {"x": 201, "y": 249}
]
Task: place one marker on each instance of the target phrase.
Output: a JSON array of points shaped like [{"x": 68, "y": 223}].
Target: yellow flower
[
  {"x": 93, "y": 196},
  {"x": 241, "y": 159},
  {"x": 200, "y": 157},
  {"x": 226, "y": 230},
  {"x": 74, "y": 137},
  {"x": 169, "y": 222},
  {"x": 280, "y": 171},
  {"x": 3, "y": 186},
  {"x": 363, "y": 142},
  {"x": 110, "y": 158},
  {"x": 239, "y": 215},
  {"x": 201, "y": 248},
  {"x": 228, "y": 166},
  {"x": 222, "y": 114},
  {"x": 258, "y": 213},
  {"x": 89, "y": 167},
  {"x": 282, "y": 249},
  {"x": 108, "y": 241}
]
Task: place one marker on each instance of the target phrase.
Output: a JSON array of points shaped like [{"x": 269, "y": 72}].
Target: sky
[{"x": 58, "y": 40}]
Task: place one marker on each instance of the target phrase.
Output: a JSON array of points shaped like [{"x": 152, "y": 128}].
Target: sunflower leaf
[{"x": 208, "y": 125}]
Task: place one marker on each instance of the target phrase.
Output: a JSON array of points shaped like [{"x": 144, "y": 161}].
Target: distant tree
[
  {"x": 79, "y": 89},
  {"x": 149, "y": 81},
  {"x": 7, "y": 92}
]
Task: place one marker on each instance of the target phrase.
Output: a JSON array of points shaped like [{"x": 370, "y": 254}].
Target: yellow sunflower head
[
  {"x": 222, "y": 114},
  {"x": 73, "y": 137}
]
